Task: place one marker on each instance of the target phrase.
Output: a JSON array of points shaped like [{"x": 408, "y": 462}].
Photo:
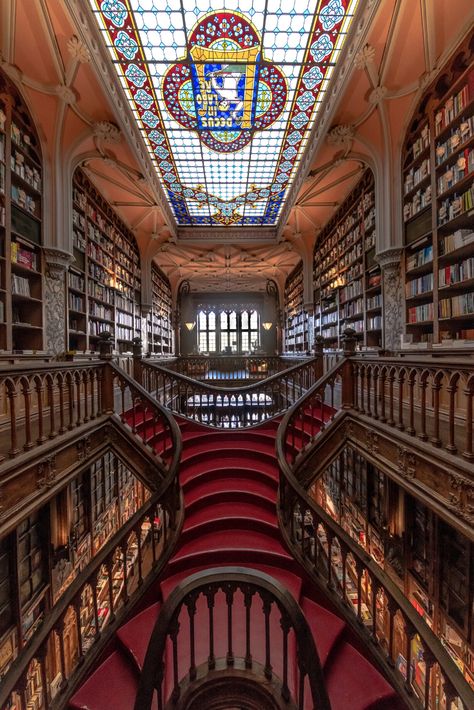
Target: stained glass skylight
[{"x": 225, "y": 95}]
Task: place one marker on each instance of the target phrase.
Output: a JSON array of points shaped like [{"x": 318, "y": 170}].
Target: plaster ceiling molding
[
  {"x": 341, "y": 136},
  {"x": 78, "y": 50},
  {"x": 378, "y": 95},
  {"x": 339, "y": 80},
  {"x": 67, "y": 94},
  {"x": 83, "y": 19},
  {"x": 106, "y": 132},
  {"x": 364, "y": 57}
]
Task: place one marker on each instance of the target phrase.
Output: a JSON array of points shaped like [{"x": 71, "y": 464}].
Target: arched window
[
  {"x": 207, "y": 332},
  {"x": 228, "y": 322},
  {"x": 249, "y": 330}
]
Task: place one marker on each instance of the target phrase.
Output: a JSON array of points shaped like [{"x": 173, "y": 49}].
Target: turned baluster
[
  {"x": 362, "y": 389},
  {"x": 61, "y": 385},
  {"x": 52, "y": 423},
  {"x": 110, "y": 564},
  {"x": 77, "y": 379},
  {"x": 409, "y": 634},
  {"x": 173, "y": 632},
  {"x": 392, "y": 610},
  {"x": 229, "y": 597},
  {"x": 123, "y": 550},
  {"x": 285, "y": 624},
  {"x": 368, "y": 383},
  {"x": 391, "y": 379},
  {"x": 452, "y": 388},
  {"x": 267, "y": 607},
  {"x": 191, "y": 608},
  {"x": 85, "y": 379},
  {"x": 138, "y": 533},
  {"x": 211, "y": 659},
  {"x": 45, "y": 685},
  {"x": 469, "y": 392},
  {"x": 376, "y": 393},
  {"x": 429, "y": 660},
  {"x": 248, "y": 594},
  {"x": 59, "y": 631},
  {"x": 411, "y": 403},
  {"x": 435, "y": 387},
  {"x": 401, "y": 382},
  {"x": 383, "y": 378},
  {"x": 39, "y": 388},
  {"x": 423, "y": 387},
  {"x": 26, "y": 392}
]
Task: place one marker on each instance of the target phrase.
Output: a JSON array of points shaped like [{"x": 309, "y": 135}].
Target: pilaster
[{"x": 392, "y": 288}]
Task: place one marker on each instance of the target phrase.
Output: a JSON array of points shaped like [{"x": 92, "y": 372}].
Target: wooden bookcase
[
  {"x": 296, "y": 318},
  {"x": 104, "y": 282},
  {"x": 438, "y": 208},
  {"x": 159, "y": 321},
  {"x": 21, "y": 183},
  {"x": 346, "y": 278}
]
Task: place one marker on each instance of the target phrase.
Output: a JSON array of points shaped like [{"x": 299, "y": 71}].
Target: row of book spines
[
  {"x": 456, "y": 273},
  {"x": 455, "y": 306},
  {"x": 454, "y": 105}
]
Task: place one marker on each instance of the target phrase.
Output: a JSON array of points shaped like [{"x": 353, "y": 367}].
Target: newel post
[
  {"x": 105, "y": 354},
  {"x": 348, "y": 347},
  {"x": 319, "y": 355},
  {"x": 137, "y": 360}
]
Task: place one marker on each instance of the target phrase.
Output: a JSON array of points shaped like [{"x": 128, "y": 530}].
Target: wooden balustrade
[
  {"x": 246, "y": 599},
  {"x": 424, "y": 397},
  {"x": 226, "y": 407},
  {"x": 229, "y": 367},
  {"x": 425, "y": 400},
  {"x": 55, "y": 400}
]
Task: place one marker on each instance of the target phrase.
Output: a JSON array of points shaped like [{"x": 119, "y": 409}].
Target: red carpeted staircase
[{"x": 230, "y": 480}]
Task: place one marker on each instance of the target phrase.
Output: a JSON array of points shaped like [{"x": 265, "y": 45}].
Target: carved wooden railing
[
  {"x": 223, "y": 406},
  {"x": 423, "y": 396},
  {"x": 230, "y": 367},
  {"x": 332, "y": 558},
  {"x": 69, "y": 397},
  {"x": 249, "y": 600}
]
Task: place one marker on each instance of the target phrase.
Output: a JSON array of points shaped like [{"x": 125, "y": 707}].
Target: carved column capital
[
  {"x": 390, "y": 258},
  {"x": 78, "y": 50},
  {"x": 57, "y": 262},
  {"x": 341, "y": 136},
  {"x": 364, "y": 57},
  {"x": 107, "y": 132}
]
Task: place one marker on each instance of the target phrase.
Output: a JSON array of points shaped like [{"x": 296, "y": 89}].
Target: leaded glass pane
[{"x": 225, "y": 97}]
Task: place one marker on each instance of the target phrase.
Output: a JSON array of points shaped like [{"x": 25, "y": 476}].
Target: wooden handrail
[
  {"x": 120, "y": 397},
  {"x": 218, "y": 406},
  {"x": 229, "y": 580},
  {"x": 330, "y": 555}
]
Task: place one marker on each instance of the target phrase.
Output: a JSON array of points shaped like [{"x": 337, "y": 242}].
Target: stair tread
[
  {"x": 352, "y": 681},
  {"x": 113, "y": 684},
  {"x": 226, "y": 484},
  {"x": 135, "y": 634},
  {"x": 234, "y": 464},
  {"x": 232, "y": 540},
  {"x": 230, "y": 511},
  {"x": 327, "y": 628}
]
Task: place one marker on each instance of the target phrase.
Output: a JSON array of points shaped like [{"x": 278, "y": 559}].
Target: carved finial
[
  {"x": 364, "y": 57},
  {"x": 341, "y": 135},
  {"x": 106, "y": 132},
  {"x": 78, "y": 50}
]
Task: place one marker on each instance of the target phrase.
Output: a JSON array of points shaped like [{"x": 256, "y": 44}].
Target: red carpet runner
[{"x": 230, "y": 484}]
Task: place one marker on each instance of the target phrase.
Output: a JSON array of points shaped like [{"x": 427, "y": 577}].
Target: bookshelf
[
  {"x": 159, "y": 321},
  {"x": 104, "y": 281},
  {"x": 21, "y": 282},
  {"x": 346, "y": 277},
  {"x": 296, "y": 318},
  {"x": 438, "y": 209}
]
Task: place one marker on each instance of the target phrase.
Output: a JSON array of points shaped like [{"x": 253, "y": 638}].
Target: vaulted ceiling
[{"x": 54, "y": 51}]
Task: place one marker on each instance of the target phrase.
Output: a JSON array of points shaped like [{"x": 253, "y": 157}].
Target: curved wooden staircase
[{"x": 230, "y": 479}]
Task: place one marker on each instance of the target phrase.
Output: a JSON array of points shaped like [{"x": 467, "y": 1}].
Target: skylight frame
[{"x": 198, "y": 181}]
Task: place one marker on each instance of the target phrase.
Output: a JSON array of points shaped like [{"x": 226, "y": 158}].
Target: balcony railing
[
  {"x": 230, "y": 367},
  {"x": 97, "y": 601},
  {"x": 333, "y": 559},
  {"x": 226, "y": 406},
  {"x": 262, "y": 632}
]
